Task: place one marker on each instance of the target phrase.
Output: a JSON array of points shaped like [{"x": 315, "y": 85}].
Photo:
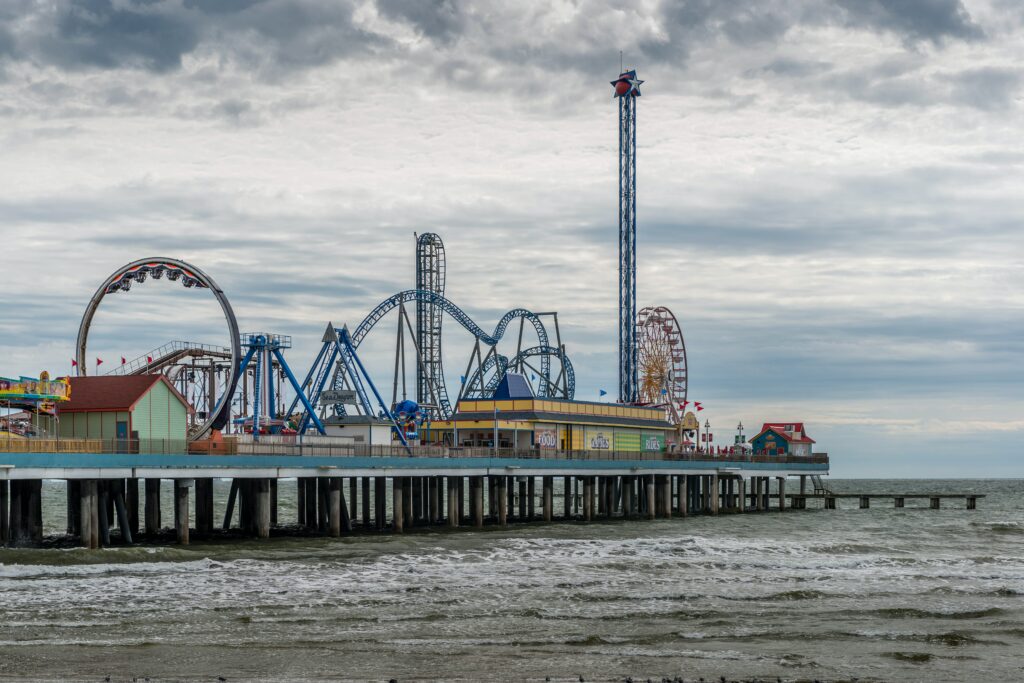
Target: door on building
[{"x": 122, "y": 437}]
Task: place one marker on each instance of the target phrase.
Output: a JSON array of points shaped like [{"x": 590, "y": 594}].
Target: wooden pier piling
[
  {"x": 232, "y": 500},
  {"x": 453, "y": 502},
  {"x": 366, "y": 503},
  {"x": 353, "y": 509},
  {"x": 398, "y": 504},
  {"x": 548, "y": 495},
  {"x": 627, "y": 497},
  {"x": 5, "y": 512},
  {"x": 261, "y": 489},
  {"x": 501, "y": 493},
  {"x": 89, "y": 514},
  {"x": 181, "y": 520},
  {"x": 476, "y": 491},
  {"x": 103, "y": 489},
  {"x": 122, "y": 516},
  {"x": 588, "y": 498},
  {"x": 567, "y": 498},
  {"x": 131, "y": 499},
  {"x": 204, "y": 506},
  {"x": 335, "y": 506}
]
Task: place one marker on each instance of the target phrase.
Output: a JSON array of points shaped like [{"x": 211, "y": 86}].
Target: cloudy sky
[{"x": 828, "y": 191}]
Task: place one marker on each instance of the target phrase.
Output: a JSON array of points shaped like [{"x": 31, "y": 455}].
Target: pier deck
[{"x": 339, "y": 489}]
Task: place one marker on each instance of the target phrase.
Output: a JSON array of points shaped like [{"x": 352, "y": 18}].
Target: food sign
[{"x": 546, "y": 437}]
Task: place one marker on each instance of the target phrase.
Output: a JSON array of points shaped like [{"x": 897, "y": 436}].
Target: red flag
[
  {"x": 99, "y": 362},
  {"x": 123, "y": 361},
  {"x": 149, "y": 359},
  {"x": 696, "y": 403},
  {"x": 74, "y": 363},
  {"x": 699, "y": 408}
]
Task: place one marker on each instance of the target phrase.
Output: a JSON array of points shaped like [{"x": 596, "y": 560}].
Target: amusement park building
[
  {"x": 547, "y": 423},
  {"x": 782, "y": 438},
  {"x": 136, "y": 407}
]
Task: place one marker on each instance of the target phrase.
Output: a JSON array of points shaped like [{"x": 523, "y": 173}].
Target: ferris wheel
[{"x": 661, "y": 358}]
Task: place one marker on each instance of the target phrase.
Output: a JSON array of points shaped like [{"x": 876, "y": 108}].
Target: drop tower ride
[{"x": 627, "y": 89}]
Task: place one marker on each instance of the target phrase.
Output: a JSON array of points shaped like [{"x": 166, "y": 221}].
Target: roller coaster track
[
  {"x": 543, "y": 351},
  {"x": 463, "y": 319}
]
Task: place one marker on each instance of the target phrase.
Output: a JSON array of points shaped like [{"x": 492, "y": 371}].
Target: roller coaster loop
[{"x": 460, "y": 316}]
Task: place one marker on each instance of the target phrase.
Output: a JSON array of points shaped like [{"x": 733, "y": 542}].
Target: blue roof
[{"x": 513, "y": 385}]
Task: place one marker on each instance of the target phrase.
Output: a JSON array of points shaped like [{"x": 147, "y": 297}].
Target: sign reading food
[{"x": 546, "y": 437}]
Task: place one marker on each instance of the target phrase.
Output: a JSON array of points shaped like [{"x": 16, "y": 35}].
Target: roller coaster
[{"x": 484, "y": 370}]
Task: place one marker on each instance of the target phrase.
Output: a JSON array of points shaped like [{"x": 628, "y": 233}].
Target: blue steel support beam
[
  {"x": 347, "y": 344},
  {"x": 309, "y": 378},
  {"x": 328, "y": 355},
  {"x": 298, "y": 391}
]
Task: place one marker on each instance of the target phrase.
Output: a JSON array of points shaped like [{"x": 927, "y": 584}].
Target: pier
[
  {"x": 799, "y": 501},
  {"x": 378, "y": 489}
]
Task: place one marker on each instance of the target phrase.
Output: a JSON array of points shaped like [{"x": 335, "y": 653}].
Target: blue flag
[{"x": 602, "y": 392}]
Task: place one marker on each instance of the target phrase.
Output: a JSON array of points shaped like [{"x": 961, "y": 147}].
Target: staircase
[{"x": 819, "y": 486}]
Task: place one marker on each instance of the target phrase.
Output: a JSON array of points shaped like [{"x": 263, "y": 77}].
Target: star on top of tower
[{"x": 627, "y": 84}]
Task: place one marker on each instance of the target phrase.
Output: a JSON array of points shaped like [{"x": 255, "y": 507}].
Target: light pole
[
  {"x": 495, "y": 430},
  {"x": 707, "y": 434}
]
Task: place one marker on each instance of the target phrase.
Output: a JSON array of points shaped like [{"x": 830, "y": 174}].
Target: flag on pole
[
  {"x": 99, "y": 362},
  {"x": 123, "y": 361},
  {"x": 602, "y": 392},
  {"x": 149, "y": 359},
  {"x": 74, "y": 363}
]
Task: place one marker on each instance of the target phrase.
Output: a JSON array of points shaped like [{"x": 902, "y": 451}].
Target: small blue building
[{"x": 782, "y": 438}]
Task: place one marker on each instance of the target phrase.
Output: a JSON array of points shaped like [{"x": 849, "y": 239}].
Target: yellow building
[{"x": 545, "y": 423}]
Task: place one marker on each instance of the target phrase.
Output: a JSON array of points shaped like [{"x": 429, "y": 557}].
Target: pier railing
[{"x": 323, "y": 446}]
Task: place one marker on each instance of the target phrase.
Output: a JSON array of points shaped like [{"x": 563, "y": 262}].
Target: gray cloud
[
  {"x": 95, "y": 33},
  {"x": 436, "y": 19},
  {"x": 270, "y": 35},
  {"x": 986, "y": 87},
  {"x": 932, "y": 20},
  {"x": 280, "y": 35}
]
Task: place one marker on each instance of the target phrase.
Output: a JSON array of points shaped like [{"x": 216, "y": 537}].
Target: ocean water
[{"x": 879, "y": 594}]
